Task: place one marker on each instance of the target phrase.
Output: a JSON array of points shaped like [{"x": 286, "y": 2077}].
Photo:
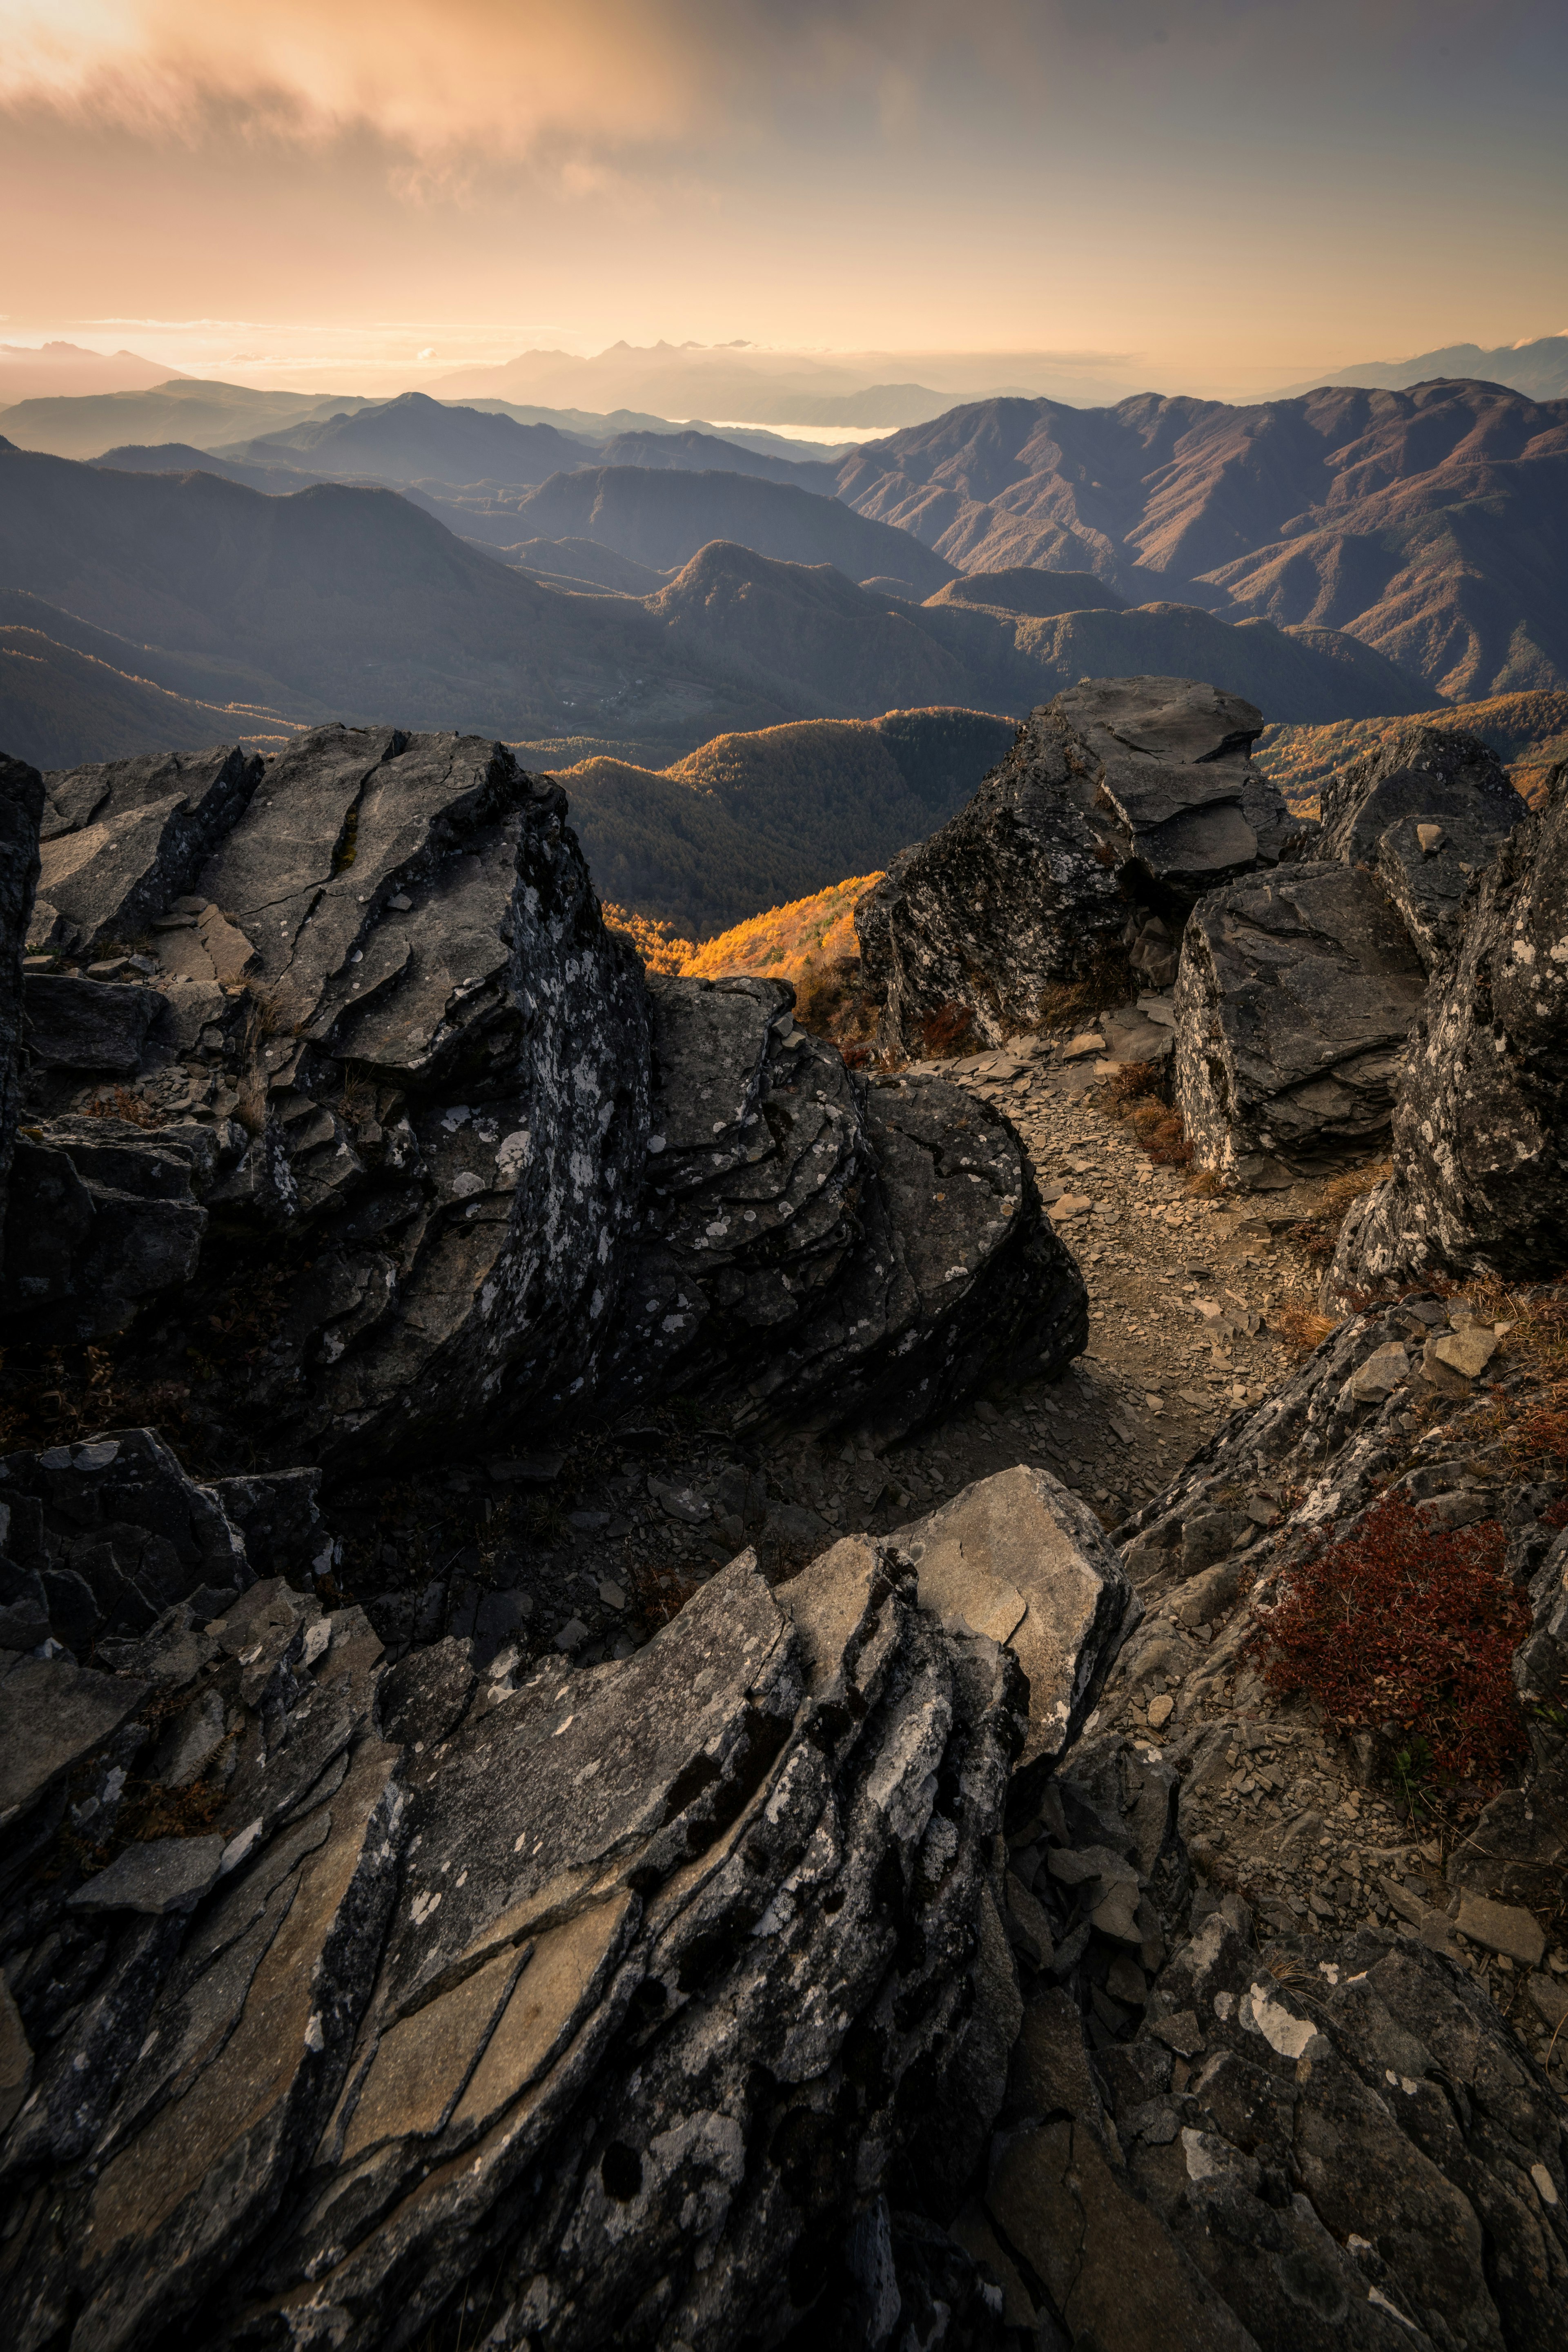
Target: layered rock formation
[
  {"x": 378, "y": 1083},
  {"x": 1121, "y": 802},
  {"x": 1480, "y": 1172},
  {"x": 616, "y": 1994}
]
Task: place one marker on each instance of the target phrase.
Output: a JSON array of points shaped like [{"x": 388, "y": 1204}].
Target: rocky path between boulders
[{"x": 586, "y": 1555}]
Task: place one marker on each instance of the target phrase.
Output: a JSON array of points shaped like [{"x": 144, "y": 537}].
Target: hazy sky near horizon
[{"x": 1211, "y": 196}]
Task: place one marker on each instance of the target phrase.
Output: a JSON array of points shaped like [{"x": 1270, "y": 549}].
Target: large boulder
[
  {"x": 1427, "y": 814},
  {"x": 1119, "y": 803},
  {"x": 21, "y": 806},
  {"x": 814, "y": 1248},
  {"x": 1295, "y": 994},
  {"x": 613, "y": 1997},
  {"x": 387, "y": 1112},
  {"x": 1481, "y": 1155}
]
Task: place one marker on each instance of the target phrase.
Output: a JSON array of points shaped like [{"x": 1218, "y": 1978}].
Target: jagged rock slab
[
  {"x": 1297, "y": 992},
  {"x": 101, "y": 1537},
  {"x": 21, "y": 806},
  {"x": 1426, "y": 812},
  {"x": 1480, "y": 1138},
  {"x": 1007, "y": 902},
  {"x": 1018, "y": 1557},
  {"x": 1119, "y": 789},
  {"x": 123, "y": 839},
  {"x": 1174, "y": 772},
  {"x": 440, "y": 1061},
  {"x": 599, "y": 1989}
]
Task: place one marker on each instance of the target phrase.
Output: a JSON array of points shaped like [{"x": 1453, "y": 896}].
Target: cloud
[
  {"x": 431, "y": 79},
  {"x": 435, "y": 77}
]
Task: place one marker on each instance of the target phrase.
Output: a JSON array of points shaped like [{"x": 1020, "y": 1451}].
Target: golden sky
[{"x": 1213, "y": 196}]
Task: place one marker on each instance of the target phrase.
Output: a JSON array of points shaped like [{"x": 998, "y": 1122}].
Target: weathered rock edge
[{"x": 1480, "y": 1134}]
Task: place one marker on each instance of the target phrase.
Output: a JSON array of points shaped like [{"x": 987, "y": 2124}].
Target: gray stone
[
  {"x": 1502, "y": 1928},
  {"x": 106, "y": 1219},
  {"x": 1378, "y": 813},
  {"x": 123, "y": 840},
  {"x": 1374, "y": 1381},
  {"x": 170, "y": 1874},
  {"x": 119, "y": 1524},
  {"x": 1297, "y": 994},
  {"x": 1479, "y": 1179},
  {"x": 1019, "y": 1559},
  {"x": 90, "y": 1025}
]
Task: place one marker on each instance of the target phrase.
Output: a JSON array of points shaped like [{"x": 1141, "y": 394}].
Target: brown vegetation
[{"x": 1407, "y": 1625}]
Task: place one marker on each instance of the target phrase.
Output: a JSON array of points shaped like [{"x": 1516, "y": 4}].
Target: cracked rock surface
[
  {"x": 1427, "y": 814},
  {"x": 1295, "y": 994}
]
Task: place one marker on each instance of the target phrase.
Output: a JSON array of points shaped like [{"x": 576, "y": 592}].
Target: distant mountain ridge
[
  {"x": 1432, "y": 524},
  {"x": 1538, "y": 368},
  {"x": 414, "y": 439},
  {"x": 346, "y": 602}
]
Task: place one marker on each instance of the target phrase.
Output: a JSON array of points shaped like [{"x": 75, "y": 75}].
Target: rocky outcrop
[
  {"x": 385, "y": 1093},
  {"x": 1480, "y": 1149},
  {"x": 21, "y": 805},
  {"x": 1312, "y": 2143},
  {"x": 1295, "y": 994},
  {"x": 1121, "y": 802},
  {"x": 611, "y": 1997},
  {"x": 1426, "y": 814}
]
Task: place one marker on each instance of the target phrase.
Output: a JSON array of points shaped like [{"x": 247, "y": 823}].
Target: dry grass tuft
[
  {"x": 1299, "y": 1326},
  {"x": 1316, "y": 1237}
]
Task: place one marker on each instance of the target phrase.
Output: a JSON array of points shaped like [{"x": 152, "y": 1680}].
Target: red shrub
[{"x": 1406, "y": 1623}]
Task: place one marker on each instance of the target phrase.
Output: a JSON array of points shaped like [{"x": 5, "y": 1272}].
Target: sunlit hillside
[
  {"x": 1529, "y": 733},
  {"x": 818, "y": 931}
]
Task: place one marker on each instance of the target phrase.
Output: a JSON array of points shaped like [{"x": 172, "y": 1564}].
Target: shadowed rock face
[
  {"x": 1427, "y": 814},
  {"x": 1481, "y": 1133},
  {"x": 1119, "y": 789},
  {"x": 1295, "y": 996},
  {"x": 415, "y": 1122}
]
